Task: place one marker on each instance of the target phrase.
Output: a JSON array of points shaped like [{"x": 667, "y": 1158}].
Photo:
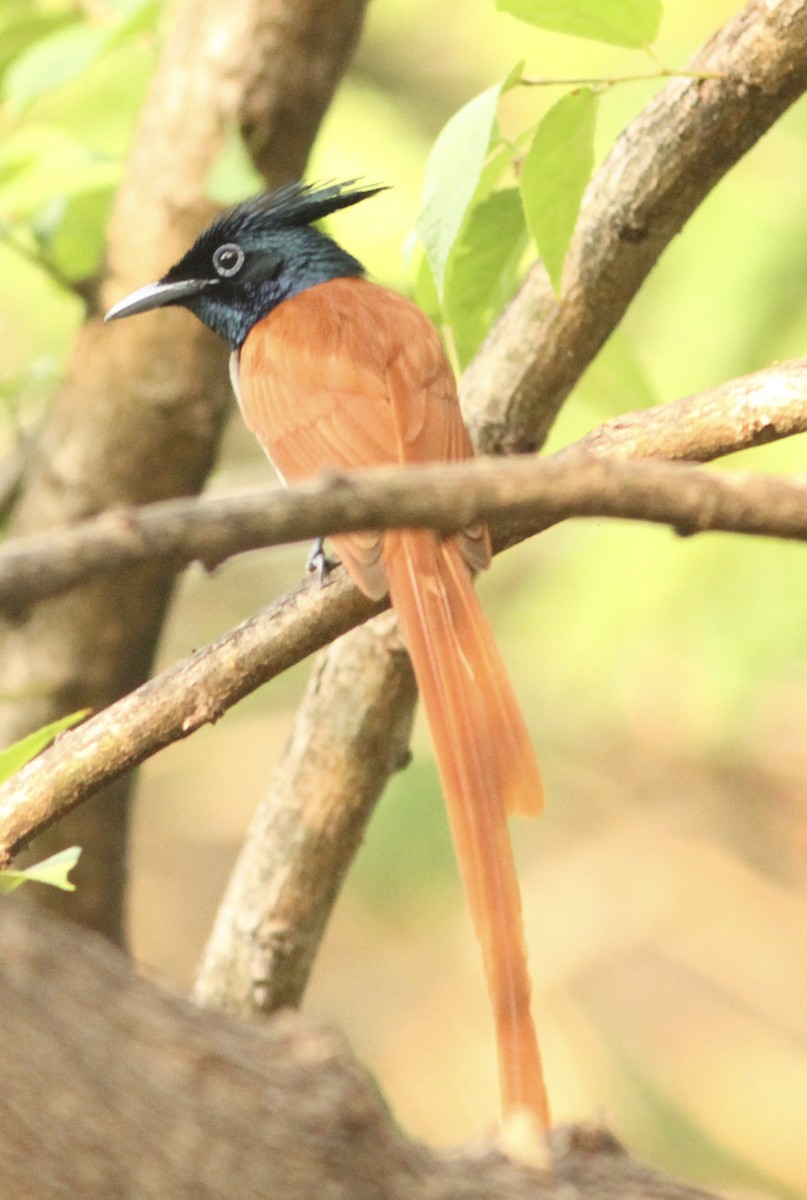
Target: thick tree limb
[
  {"x": 272, "y": 918},
  {"x": 117, "y": 1089},
  {"x": 140, "y": 414},
  {"x": 758, "y": 408},
  {"x": 661, "y": 168}
]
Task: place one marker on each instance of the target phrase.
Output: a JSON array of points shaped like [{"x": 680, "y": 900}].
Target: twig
[
  {"x": 529, "y": 494},
  {"x": 38, "y": 257},
  {"x": 12, "y": 468},
  {"x": 604, "y": 82}
]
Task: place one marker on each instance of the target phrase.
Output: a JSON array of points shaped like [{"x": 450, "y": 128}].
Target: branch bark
[
  {"x": 270, "y": 923},
  {"x": 193, "y": 692},
  {"x": 759, "y": 408},
  {"x": 140, "y": 414},
  {"x": 660, "y": 170},
  {"x": 517, "y": 497},
  {"x": 168, "y": 1101}
]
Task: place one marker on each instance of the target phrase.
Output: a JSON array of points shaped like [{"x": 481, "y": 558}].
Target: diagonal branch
[
  {"x": 271, "y": 920},
  {"x": 660, "y": 170},
  {"x": 193, "y": 692}
]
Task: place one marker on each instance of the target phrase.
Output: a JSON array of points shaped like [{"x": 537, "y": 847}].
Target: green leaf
[
  {"x": 52, "y": 61},
  {"x": 53, "y": 871},
  {"x": 21, "y": 752},
  {"x": 424, "y": 292},
  {"x": 482, "y": 272},
  {"x": 20, "y": 27},
  {"x": 619, "y": 22},
  {"x": 60, "y": 57},
  {"x": 555, "y": 173},
  {"x": 39, "y": 161},
  {"x": 453, "y": 172},
  {"x": 71, "y": 231}
]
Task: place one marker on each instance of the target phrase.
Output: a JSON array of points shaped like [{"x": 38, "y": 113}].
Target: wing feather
[{"x": 345, "y": 375}]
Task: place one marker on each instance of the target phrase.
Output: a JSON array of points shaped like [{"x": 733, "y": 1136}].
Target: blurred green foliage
[{"x": 73, "y": 78}]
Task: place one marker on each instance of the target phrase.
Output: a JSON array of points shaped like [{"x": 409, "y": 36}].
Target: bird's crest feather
[{"x": 292, "y": 206}]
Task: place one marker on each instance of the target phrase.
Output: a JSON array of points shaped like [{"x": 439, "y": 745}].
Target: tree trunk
[{"x": 141, "y": 412}]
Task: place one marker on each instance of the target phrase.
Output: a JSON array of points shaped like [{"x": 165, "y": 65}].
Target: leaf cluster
[{"x": 488, "y": 198}]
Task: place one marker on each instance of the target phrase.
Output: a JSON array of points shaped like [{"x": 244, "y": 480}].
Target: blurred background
[{"x": 665, "y": 680}]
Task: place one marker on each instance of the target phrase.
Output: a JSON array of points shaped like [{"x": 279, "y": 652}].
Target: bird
[{"x": 333, "y": 371}]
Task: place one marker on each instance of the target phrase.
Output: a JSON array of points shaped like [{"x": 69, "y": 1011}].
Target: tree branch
[
  {"x": 746, "y": 412},
  {"x": 510, "y": 494},
  {"x": 191, "y": 693},
  {"x": 169, "y": 1100},
  {"x": 742, "y": 413},
  {"x": 660, "y": 170},
  {"x": 534, "y": 494},
  {"x": 340, "y": 755}
]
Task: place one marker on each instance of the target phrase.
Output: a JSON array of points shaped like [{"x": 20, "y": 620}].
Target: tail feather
[{"x": 488, "y": 769}]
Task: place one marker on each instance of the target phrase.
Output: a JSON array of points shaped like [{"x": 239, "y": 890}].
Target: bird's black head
[{"x": 253, "y": 257}]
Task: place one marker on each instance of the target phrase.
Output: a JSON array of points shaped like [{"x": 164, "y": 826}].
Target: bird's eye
[{"x": 228, "y": 260}]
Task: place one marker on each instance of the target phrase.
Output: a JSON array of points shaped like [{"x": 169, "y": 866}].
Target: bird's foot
[{"x": 318, "y": 562}]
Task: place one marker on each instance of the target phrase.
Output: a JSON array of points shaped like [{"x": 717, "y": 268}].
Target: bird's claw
[{"x": 318, "y": 562}]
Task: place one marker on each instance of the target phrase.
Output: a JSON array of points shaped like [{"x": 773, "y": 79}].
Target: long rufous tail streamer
[{"x": 488, "y": 769}]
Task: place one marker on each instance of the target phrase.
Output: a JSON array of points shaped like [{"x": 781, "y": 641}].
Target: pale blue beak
[{"x": 156, "y": 295}]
